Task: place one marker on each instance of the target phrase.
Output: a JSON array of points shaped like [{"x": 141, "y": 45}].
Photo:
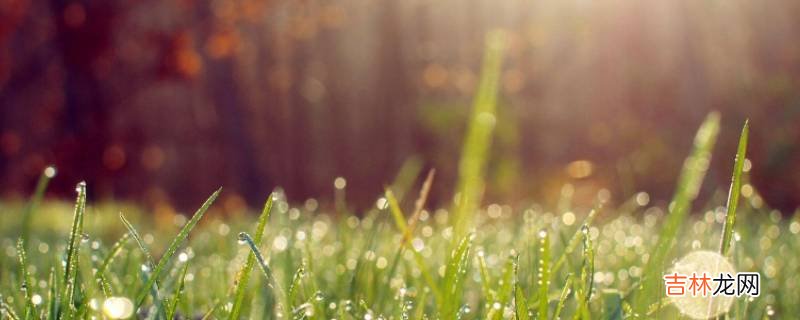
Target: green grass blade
[
  {"x": 544, "y": 273},
  {"x": 406, "y": 176},
  {"x": 6, "y": 310},
  {"x": 116, "y": 248},
  {"x": 294, "y": 287},
  {"x": 33, "y": 203},
  {"x": 691, "y": 178},
  {"x": 400, "y": 221},
  {"x": 522, "y": 310},
  {"x": 562, "y": 299},
  {"x": 486, "y": 279},
  {"x": 736, "y": 188},
  {"x": 138, "y": 238},
  {"x": 397, "y": 214},
  {"x": 587, "y": 277},
  {"x": 73, "y": 248},
  {"x": 52, "y": 295},
  {"x": 151, "y": 265},
  {"x": 173, "y": 247},
  {"x": 576, "y": 238},
  {"x": 176, "y": 296},
  {"x": 265, "y": 270},
  {"x": 244, "y": 274},
  {"x": 25, "y": 283},
  {"x": 506, "y": 290},
  {"x": 454, "y": 274},
  {"x": 521, "y": 304},
  {"x": 475, "y": 151}
]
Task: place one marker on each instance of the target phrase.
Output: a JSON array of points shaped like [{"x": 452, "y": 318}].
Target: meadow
[{"x": 401, "y": 259}]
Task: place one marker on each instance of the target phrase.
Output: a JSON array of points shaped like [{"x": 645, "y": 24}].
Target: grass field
[{"x": 399, "y": 260}]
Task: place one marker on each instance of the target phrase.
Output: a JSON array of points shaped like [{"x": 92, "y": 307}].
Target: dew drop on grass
[
  {"x": 118, "y": 308},
  {"x": 36, "y": 299},
  {"x": 50, "y": 172},
  {"x": 242, "y": 236},
  {"x": 183, "y": 257},
  {"x": 81, "y": 186},
  {"x": 84, "y": 238}
]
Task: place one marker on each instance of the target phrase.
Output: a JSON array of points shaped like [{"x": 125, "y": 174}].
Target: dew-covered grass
[
  {"x": 321, "y": 266},
  {"x": 401, "y": 259}
]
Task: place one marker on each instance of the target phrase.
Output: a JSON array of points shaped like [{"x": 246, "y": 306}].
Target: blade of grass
[
  {"x": 563, "y": 297},
  {"x": 475, "y": 150},
  {"x": 691, "y": 178},
  {"x": 420, "y": 203},
  {"x": 522, "y": 311},
  {"x": 506, "y": 288},
  {"x": 138, "y": 238},
  {"x": 25, "y": 284},
  {"x": 52, "y": 295},
  {"x": 576, "y": 238},
  {"x": 406, "y": 176},
  {"x": 266, "y": 271},
  {"x": 151, "y": 265},
  {"x": 294, "y": 287},
  {"x": 116, "y": 248},
  {"x": 486, "y": 279},
  {"x": 41, "y": 186},
  {"x": 73, "y": 248},
  {"x": 244, "y": 274},
  {"x": 544, "y": 273},
  {"x": 521, "y": 304},
  {"x": 6, "y": 310},
  {"x": 173, "y": 247},
  {"x": 400, "y": 221},
  {"x": 587, "y": 277},
  {"x": 176, "y": 296},
  {"x": 454, "y": 274},
  {"x": 733, "y": 193}
]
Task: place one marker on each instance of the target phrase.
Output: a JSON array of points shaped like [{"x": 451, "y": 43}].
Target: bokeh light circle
[{"x": 700, "y": 307}]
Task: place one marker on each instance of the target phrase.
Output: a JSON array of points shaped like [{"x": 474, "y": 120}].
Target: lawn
[{"x": 401, "y": 259}]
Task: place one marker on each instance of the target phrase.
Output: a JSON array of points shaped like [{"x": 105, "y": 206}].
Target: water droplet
[
  {"x": 542, "y": 233},
  {"x": 50, "y": 172},
  {"x": 36, "y": 299},
  {"x": 183, "y": 257},
  {"x": 118, "y": 307},
  {"x": 84, "y": 238},
  {"x": 81, "y": 186},
  {"x": 145, "y": 268},
  {"x": 242, "y": 238}
]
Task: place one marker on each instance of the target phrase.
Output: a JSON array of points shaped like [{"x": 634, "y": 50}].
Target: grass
[
  {"x": 471, "y": 285},
  {"x": 522, "y": 262}
]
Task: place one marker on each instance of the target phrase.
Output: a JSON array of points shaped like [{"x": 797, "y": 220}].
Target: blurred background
[{"x": 161, "y": 102}]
